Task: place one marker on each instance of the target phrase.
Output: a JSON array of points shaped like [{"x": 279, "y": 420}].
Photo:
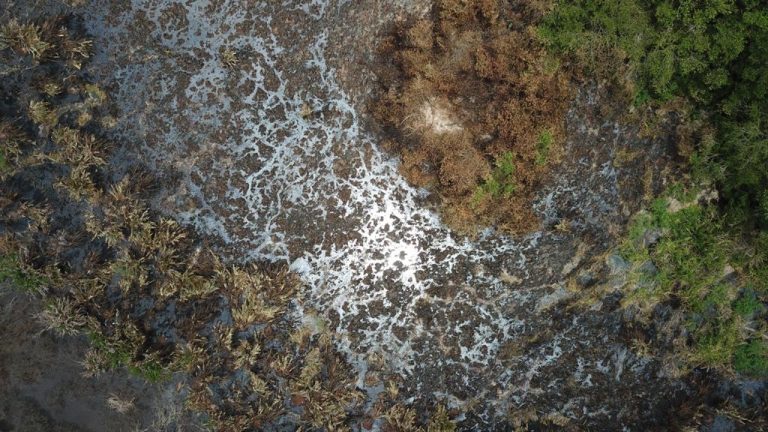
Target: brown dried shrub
[{"x": 461, "y": 90}]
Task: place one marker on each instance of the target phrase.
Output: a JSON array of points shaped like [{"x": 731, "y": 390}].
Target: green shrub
[
  {"x": 747, "y": 305},
  {"x": 743, "y": 151},
  {"x": 691, "y": 258},
  {"x": 714, "y": 52},
  {"x": 120, "y": 351},
  {"x": 583, "y": 25},
  {"x": 752, "y": 358},
  {"x": 675, "y": 46},
  {"x": 501, "y": 183}
]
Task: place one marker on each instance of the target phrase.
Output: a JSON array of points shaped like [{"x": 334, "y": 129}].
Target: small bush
[{"x": 501, "y": 182}]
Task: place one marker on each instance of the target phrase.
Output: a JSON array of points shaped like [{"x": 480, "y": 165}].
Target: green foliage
[
  {"x": 584, "y": 27},
  {"x": 116, "y": 352},
  {"x": 748, "y": 305},
  {"x": 674, "y": 46},
  {"x": 543, "y": 145},
  {"x": 692, "y": 261},
  {"x": 501, "y": 182},
  {"x": 752, "y": 358},
  {"x": 714, "y": 52},
  {"x": 743, "y": 145},
  {"x": 717, "y": 345},
  {"x": 692, "y": 253},
  {"x": 11, "y": 270},
  {"x": 152, "y": 371}
]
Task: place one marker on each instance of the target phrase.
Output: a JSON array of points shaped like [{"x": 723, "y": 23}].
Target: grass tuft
[
  {"x": 12, "y": 270},
  {"x": 61, "y": 316},
  {"x": 26, "y": 39}
]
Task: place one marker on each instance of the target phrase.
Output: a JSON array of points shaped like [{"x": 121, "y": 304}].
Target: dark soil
[{"x": 42, "y": 387}]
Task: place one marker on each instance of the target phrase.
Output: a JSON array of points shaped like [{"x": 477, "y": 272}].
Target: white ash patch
[{"x": 435, "y": 116}]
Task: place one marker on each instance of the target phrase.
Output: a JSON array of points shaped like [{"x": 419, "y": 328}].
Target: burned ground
[{"x": 251, "y": 125}]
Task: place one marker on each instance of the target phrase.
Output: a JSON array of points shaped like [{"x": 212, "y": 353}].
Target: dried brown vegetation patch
[{"x": 475, "y": 107}]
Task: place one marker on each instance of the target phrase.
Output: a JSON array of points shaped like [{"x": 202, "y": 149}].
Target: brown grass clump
[
  {"x": 46, "y": 41},
  {"x": 297, "y": 374},
  {"x": 260, "y": 297},
  {"x": 475, "y": 107},
  {"x": 26, "y": 39},
  {"x": 13, "y": 139},
  {"x": 122, "y": 405}
]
